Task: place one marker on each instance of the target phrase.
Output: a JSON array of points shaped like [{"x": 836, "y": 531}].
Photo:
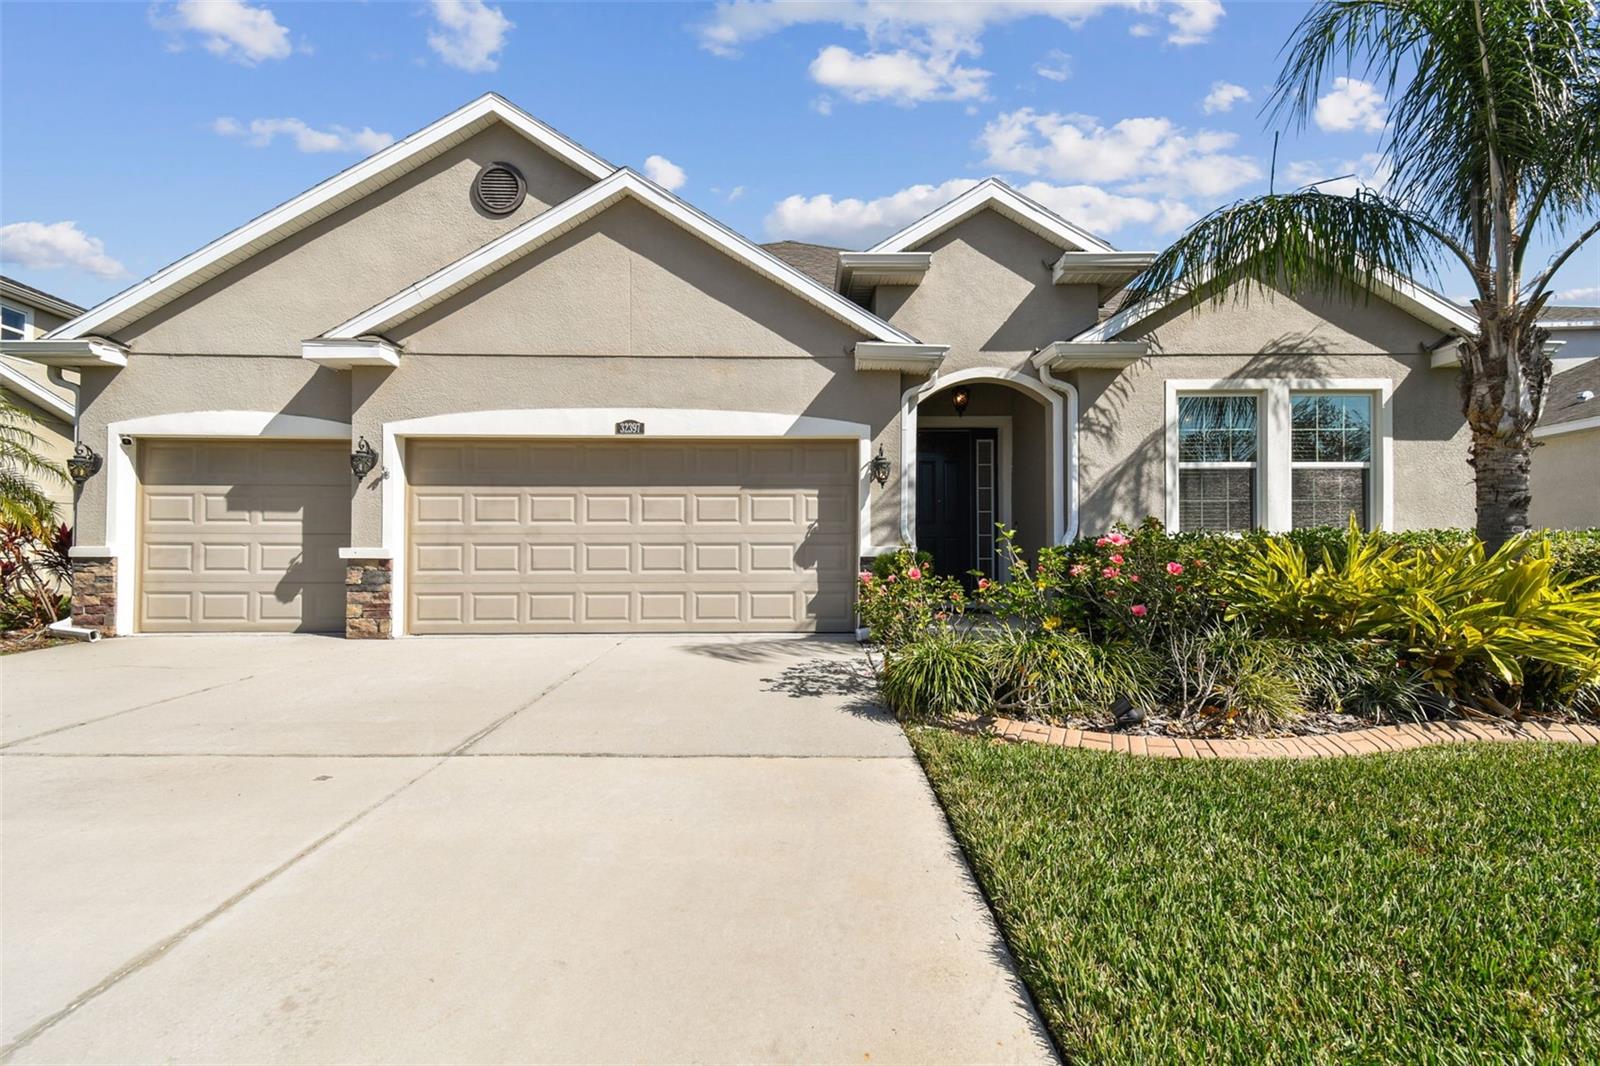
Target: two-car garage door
[
  {"x": 630, "y": 535},
  {"x": 508, "y": 536}
]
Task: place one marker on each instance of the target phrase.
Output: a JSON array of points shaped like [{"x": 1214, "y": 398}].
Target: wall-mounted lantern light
[
  {"x": 83, "y": 464},
  {"x": 959, "y": 400},
  {"x": 880, "y": 467},
  {"x": 363, "y": 459}
]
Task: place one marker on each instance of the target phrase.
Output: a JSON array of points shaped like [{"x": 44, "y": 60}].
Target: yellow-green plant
[{"x": 1475, "y": 624}]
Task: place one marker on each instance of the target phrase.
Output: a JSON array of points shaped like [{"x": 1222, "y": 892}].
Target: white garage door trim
[
  {"x": 122, "y": 479},
  {"x": 597, "y": 422}
]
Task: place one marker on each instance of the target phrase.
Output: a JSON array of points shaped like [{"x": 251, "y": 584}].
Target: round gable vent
[{"x": 499, "y": 188}]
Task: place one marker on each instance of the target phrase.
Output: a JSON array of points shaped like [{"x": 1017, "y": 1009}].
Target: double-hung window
[
  {"x": 1330, "y": 458},
  {"x": 1218, "y": 449},
  {"x": 13, "y": 323}
]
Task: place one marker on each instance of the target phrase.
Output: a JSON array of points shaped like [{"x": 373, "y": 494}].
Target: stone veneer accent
[
  {"x": 94, "y": 595},
  {"x": 367, "y": 603},
  {"x": 1323, "y": 745}
]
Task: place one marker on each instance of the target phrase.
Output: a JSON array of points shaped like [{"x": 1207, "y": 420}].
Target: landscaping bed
[
  {"x": 1440, "y": 905},
  {"x": 1210, "y": 635}
]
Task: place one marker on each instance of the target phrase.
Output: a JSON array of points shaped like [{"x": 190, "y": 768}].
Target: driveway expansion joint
[{"x": 125, "y": 710}]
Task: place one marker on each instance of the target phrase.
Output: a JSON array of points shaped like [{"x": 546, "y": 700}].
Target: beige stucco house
[
  {"x": 587, "y": 405},
  {"x": 1566, "y": 454},
  {"x": 26, "y": 313}
]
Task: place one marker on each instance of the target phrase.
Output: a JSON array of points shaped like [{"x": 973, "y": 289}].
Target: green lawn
[{"x": 1441, "y": 905}]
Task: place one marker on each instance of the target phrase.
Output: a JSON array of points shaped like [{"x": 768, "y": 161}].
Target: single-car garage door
[
  {"x": 242, "y": 536},
  {"x": 631, "y": 535}
]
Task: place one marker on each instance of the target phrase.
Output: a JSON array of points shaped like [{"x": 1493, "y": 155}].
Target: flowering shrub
[{"x": 901, "y": 599}]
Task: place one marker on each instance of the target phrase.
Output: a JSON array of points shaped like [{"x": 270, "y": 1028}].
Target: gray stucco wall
[
  {"x": 357, "y": 256},
  {"x": 1566, "y": 486},
  {"x": 988, "y": 295}
]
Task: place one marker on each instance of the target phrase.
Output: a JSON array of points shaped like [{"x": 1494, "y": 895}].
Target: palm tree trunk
[{"x": 1502, "y": 463}]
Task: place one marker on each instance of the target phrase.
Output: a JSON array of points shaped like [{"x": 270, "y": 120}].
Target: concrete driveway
[{"x": 299, "y": 849}]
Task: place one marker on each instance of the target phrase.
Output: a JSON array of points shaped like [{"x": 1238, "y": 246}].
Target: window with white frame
[
  {"x": 1218, "y": 458},
  {"x": 1330, "y": 455},
  {"x": 13, "y": 323}
]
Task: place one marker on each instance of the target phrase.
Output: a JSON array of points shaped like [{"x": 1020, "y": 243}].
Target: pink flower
[
  {"x": 1116, "y": 560},
  {"x": 1134, "y": 578},
  {"x": 1110, "y": 571},
  {"x": 866, "y": 578},
  {"x": 1102, "y": 542},
  {"x": 1118, "y": 539},
  {"x": 1079, "y": 570},
  {"x": 915, "y": 573},
  {"x": 1174, "y": 569},
  {"x": 890, "y": 577},
  {"x": 1039, "y": 569},
  {"x": 1139, "y": 610},
  {"x": 983, "y": 583}
]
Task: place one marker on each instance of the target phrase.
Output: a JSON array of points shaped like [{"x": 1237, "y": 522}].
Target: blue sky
[{"x": 132, "y": 133}]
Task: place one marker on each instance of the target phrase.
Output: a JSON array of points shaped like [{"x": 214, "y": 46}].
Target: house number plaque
[{"x": 630, "y": 427}]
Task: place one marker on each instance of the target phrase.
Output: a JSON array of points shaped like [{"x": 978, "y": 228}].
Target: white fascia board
[
  {"x": 266, "y": 228},
  {"x": 88, "y": 352},
  {"x": 1404, "y": 293},
  {"x": 1100, "y": 268},
  {"x": 992, "y": 192},
  {"x": 1558, "y": 428},
  {"x": 905, "y": 358},
  {"x": 911, "y": 264},
  {"x": 344, "y": 354},
  {"x": 1570, "y": 323},
  {"x": 590, "y": 202},
  {"x": 1099, "y": 355},
  {"x": 42, "y": 300},
  {"x": 36, "y": 393}
]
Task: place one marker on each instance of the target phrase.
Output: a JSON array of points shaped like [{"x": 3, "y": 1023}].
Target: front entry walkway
[{"x": 504, "y": 849}]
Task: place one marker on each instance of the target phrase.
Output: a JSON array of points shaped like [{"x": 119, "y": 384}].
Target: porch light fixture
[
  {"x": 880, "y": 467},
  {"x": 363, "y": 459},
  {"x": 959, "y": 400},
  {"x": 83, "y": 464}
]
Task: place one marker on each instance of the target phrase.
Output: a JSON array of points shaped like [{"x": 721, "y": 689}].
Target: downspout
[
  {"x": 65, "y": 627},
  {"x": 1070, "y": 391}
]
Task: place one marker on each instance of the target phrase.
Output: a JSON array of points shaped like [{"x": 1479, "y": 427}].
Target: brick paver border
[{"x": 1356, "y": 742}]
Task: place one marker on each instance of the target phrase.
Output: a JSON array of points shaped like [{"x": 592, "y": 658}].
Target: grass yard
[{"x": 1441, "y": 905}]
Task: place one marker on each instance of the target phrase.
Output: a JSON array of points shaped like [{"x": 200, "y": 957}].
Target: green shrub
[
  {"x": 944, "y": 674},
  {"x": 1576, "y": 552},
  {"x": 1052, "y": 675},
  {"x": 901, "y": 600},
  {"x": 1477, "y": 627},
  {"x": 1228, "y": 678}
]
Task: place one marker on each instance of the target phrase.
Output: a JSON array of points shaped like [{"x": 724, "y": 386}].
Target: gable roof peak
[{"x": 992, "y": 192}]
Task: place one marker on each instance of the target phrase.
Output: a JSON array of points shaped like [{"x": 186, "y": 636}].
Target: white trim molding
[
  {"x": 345, "y": 354},
  {"x": 546, "y": 227},
  {"x": 994, "y": 193},
  {"x": 122, "y": 477},
  {"x": 1098, "y": 355},
  {"x": 600, "y": 423},
  {"x": 89, "y": 352},
  {"x": 321, "y": 200},
  {"x": 905, "y": 358},
  {"x": 1274, "y": 478},
  {"x": 1060, "y": 411},
  {"x": 1556, "y": 429},
  {"x": 36, "y": 393},
  {"x": 1108, "y": 270}
]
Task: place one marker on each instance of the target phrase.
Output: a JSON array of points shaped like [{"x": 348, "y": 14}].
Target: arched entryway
[{"x": 996, "y": 457}]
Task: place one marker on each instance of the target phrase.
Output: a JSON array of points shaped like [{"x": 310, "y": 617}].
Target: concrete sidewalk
[{"x": 709, "y": 849}]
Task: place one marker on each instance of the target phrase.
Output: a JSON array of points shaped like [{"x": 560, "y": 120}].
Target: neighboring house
[
  {"x": 1574, "y": 335},
  {"x": 1566, "y": 456},
  {"x": 590, "y": 406},
  {"x": 27, "y": 313}
]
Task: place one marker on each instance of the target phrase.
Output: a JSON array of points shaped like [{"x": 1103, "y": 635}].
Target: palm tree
[
  {"x": 1494, "y": 136},
  {"x": 23, "y": 502}
]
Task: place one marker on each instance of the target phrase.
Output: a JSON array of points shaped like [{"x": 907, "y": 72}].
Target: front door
[{"x": 955, "y": 499}]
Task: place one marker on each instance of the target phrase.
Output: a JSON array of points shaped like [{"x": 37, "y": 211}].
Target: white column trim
[
  {"x": 122, "y": 473},
  {"x": 1063, "y": 505},
  {"x": 599, "y": 423},
  {"x": 1275, "y": 474}
]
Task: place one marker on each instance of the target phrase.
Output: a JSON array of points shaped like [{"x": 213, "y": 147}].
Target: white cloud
[
  {"x": 54, "y": 245},
  {"x": 1141, "y": 29},
  {"x": 469, "y": 34},
  {"x": 1587, "y": 295},
  {"x": 736, "y": 193},
  {"x": 901, "y": 77},
  {"x": 1193, "y": 20},
  {"x": 230, "y": 29},
  {"x": 856, "y": 223},
  {"x": 1339, "y": 177},
  {"x": 263, "y": 131},
  {"x": 1352, "y": 104},
  {"x": 1145, "y": 155},
  {"x": 1055, "y": 66},
  {"x": 1222, "y": 97},
  {"x": 664, "y": 172}
]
